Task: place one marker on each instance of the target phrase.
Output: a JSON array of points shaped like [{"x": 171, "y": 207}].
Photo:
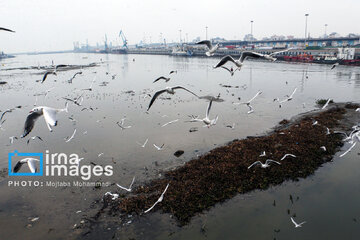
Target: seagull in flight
[
  {"x": 159, "y": 200},
  {"x": 31, "y": 163},
  {"x": 297, "y": 225},
  {"x": 158, "y": 148},
  {"x": 170, "y": 90},
  {"x": 173, "y": 71},
  {"x": 33, "y": 138},
  {"x": 287, "y": 155},
  {"x": 76, "y": 101},
  {"x": 49, "y": 116},
  {"x": 171, "y": 122},
  {"x": 46, "y": 74},
  {"x": 208, "y": 122},
  {"x": 143, "y": 145},
  {"x": 6, "y": 29},
  {"x": 251, "y": 109},
  {"x": 160, "y": 78},
  {"x": 121, "y": 124},
  {"x": 71, "y": 79},
  {"x": 264, "y": 165},
  {"x": 244, "y": 55},
  {"x": 127, "y": 189},
  {"x": 231, "y": 70},
  {"x": 211, "y": 48},
  {"x": 90, "y": 88},
  {"x": 68, "y": 139},
  {"x": 289, "y": 97}
]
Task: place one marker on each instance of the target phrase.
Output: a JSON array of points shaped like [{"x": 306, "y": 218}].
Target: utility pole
[
  {"x": 306, "y": 17},
  {"x": 206, "y": 33}
]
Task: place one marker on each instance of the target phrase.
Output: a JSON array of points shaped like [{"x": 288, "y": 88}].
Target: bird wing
[
  {"x": 247, "y": 54},
  {"x": 6, "y": 29},
  {"x": 159, "y": 78},
  {"x": 257, "y": 162},
  {"x": 227, "y": 69},
  {"x": 60, "y": 66},
  {"x": 269, "y": 160},
  {"x": 122, "y": 187},
  {"x": 293, "y": 221},
  {"x": 292, "y": 94},
  {"x": 154, "y": 97},
  {"x": 278, "y": 52},
  {"x": 224, "y": 60},
  {"x": 206, "y": 42},
  {"x": 132, "y": 182},
  {"x": 179, "y": 87},
  {"x": 50, "y": 117},
  {"x": 32, "y": 165},
  {"x": 171, "y": 72},
  {"x": 208, "y": 109},
  {"x": 30, "y": 122},
  {"x": 2, "y": 115},
  {"x": 257, "y": 94},
  {"x": 45, "y": 76},
  {"x": 18, "y": 166}
]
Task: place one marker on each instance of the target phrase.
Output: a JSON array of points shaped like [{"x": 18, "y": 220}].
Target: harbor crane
[{"x": 123, "y": 38}]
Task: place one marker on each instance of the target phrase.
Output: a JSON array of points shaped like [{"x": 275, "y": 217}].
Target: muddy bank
[{"x": 223, "y": 172}]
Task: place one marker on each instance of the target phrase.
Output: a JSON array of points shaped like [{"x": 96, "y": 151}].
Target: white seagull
[
  {"x": 49, "y": 116},
  {"x": 113, "y": 195},
  {"x": 244, "y": 55},
  {"x": 159, "y": 200},
  {"x": 208, "y": 122},
  {"x": 287, "y": 155},
  {"x": 296, "y": 224},
  {"x": 264, "y": 165},
  {"x": 121, "y": 124},
  {"x": 127, "y": 189},
  {"x": 289, "y": 97},
  {"x": 31, "y": 163},
  {"x": 251, "y": 109},
  {"x": 173, "y": 121},
  {"x": 170, "y": 90},
  {"x": 158, "y": 148},
  {"x": 143, "y": 145},
  {"x": 68, "y": 139},
  {"x": 33, "y": 138},
  {"x": 212, "y": 48}
]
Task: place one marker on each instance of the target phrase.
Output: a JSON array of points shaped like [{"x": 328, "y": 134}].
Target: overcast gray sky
[{"x": 55, "y": 24}]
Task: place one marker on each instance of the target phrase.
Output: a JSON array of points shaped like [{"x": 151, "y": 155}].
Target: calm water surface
[{"x": 327, "y": 201}]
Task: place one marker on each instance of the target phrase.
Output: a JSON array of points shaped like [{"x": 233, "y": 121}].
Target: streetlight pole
[
  {"x": 306, "y": 17},
  {"x": 325, "y": 29},
  {"x": 206, "y": 37},
  {"x": 251, "y": 31},
  {"x": 180, "y": 35}
]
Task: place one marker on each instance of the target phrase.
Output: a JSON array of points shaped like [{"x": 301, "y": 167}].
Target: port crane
[{"x": 123, "y": 38}]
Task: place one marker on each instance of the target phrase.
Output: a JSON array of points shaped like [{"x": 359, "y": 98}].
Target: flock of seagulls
[{"x": 50, "y": 114}]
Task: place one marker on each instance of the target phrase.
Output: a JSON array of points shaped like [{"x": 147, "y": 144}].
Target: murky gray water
[{"x": 327, "y": 201}]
